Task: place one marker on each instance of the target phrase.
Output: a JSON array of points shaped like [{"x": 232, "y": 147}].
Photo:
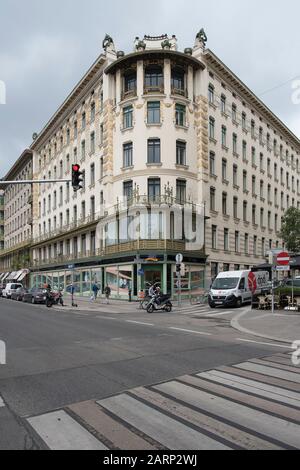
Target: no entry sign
[{"x": 283, "y": 259}]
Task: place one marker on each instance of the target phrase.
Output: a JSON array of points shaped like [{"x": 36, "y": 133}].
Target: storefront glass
[
  {"x": 125, "y": 280},
  {"x": 111, "y": 276},
  {"x": 86, "y": 283}
]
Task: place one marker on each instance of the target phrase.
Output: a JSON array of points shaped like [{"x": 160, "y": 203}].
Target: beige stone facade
[{"x": 162, "y": 125}]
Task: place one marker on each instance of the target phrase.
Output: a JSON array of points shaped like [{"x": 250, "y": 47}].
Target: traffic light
[{"x": 76, "y": 177}]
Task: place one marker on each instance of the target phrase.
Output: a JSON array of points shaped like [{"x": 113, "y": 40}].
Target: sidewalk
[
  {"x": 281, "y": 326},
  {"x": 115, "y": 306}
]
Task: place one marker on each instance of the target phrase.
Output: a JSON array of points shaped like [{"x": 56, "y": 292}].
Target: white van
[
  {"x": 231, "y": 288},
  {"x": 10, "y": 288}
]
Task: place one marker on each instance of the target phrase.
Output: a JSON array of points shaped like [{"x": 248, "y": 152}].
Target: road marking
[
  {"x": 250, "y": 386},
  {"x": 252, "y": 419},
  {"x": 61, "y": 432},
  {"x": 219, "y": 314},
  {"x": 265, "y": 344},
  {"x": 269, "y": 371},
  {"x": 166, "y": 430},
  {"x": 105, "y": 318},
  {"x": 190, "y": 331},
  {"x": 139, "y": 323}
]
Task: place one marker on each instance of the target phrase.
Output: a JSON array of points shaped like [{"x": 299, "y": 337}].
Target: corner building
[{"x": 159, "y": 134}]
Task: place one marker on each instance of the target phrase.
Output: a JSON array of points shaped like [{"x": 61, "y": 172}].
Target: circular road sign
[
  {"x": 283, "y": 259},
  {"x": 179, "y": 258},
  {"x": 252, "y": 282}
]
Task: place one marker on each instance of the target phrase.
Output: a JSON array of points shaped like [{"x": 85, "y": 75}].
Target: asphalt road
[{"x": 57, "y": 358}]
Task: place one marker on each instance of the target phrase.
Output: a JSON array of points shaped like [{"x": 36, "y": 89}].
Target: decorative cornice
[
  {"x": 249, "y": 96},
  {"x": 76, "y": 94}
]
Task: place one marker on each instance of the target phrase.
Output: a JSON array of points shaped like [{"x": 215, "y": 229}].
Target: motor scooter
[{"x": 160, "y": 302}]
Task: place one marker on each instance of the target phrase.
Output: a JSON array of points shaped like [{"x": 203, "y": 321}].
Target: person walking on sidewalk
[
  {"x": 107, "y": 292},
  {"x": 95, "y": 290}
]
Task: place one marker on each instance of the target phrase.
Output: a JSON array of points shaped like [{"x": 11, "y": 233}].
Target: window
[
  {"x": 153, "y": 188},
  {"x": 235, "y": 175},
  {"x": 92, "y": 206},
  {"x": 178, "y": 80},
  {"x": 244, "y": 150},
  {"x": 255, "y": 245},
  {"x": 244, "y": 121},
  {"x": 153, "y": 151},
  {"x": 93, "y": 142},
  {"x": 153, "y": 112},
  {"x": 212, "y": 199},
  {"x": 234, "y": 143},
  {"x": 180, "y": 115},
  {"x": 92, "y": 169},
  {"x": 223, "y": 104},
  {"x": 235, "y": 207},
  {"x": 253, "y": 155},
  {"x": 83, "y": 150},
  {"x": 101, "y": 134},
  {"x": 246, "y": 244},
  {"x": 212, "y": 164},
  {"x": 234, "y": 113},
  {"x": 83, "y": 121},
  {"x": 236, "y": 242},
  {"x": 75, "y": 130},
  {"x": 224, "y": 203},
  {"x": 211, "y": 94},
  {"x": 128, "y": 117},
  {"x": 127, "y": 155},
  {"x": 130, "y": 81},
  {"x": 214, "y": 237},
  {"x": 254, "y": 214},
  {"x": 181, "y": 191},
  {"x": 93, "y": 112},
  {"x": 211, "y": 128},
  {"x": 180, "y": 153},
  {"x": 128, "y": 189},
  {"x": 245, "y": 211},
  {"x": 154, "y": 78},
  {"x": 224, "y": 169},
  {"x": 244, "y": 181},
  {"x": 224, "y": 136},
  {"x": 226, "y": 240},
  {"x": 253, "y": 186}
]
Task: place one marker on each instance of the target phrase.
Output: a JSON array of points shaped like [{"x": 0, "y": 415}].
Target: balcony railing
[
  {"x": 153, "y": 89},
  {"x": 129, "y": 94},
  {"x": 179, "y": 91},
  {"x": 121, "y": 248},
  {"x": 19, "y": 246}
]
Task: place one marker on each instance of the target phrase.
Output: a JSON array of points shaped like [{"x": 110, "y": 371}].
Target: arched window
[{"x": 178, "y": 80}]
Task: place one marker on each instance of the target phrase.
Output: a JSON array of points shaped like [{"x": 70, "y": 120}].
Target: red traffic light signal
[{"x": 76, "y": 177}]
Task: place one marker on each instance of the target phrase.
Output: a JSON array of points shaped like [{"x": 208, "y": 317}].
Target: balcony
[
  {"x": 19, "y": 246},
  {"x": 129, "y": 247},
  {"x": 153, "y": 89},
  {"x": 179, "y": 91},
  {"x": 129, "y": 94}
]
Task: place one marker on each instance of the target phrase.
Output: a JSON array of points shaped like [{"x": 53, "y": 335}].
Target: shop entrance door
[{"x": 153, "y": 274}]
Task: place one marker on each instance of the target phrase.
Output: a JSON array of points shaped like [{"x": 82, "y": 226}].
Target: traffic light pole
[{"x": 7, "y": 183}]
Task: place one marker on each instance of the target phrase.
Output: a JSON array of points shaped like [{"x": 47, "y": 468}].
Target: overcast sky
[{"x": 46, "y": 46}]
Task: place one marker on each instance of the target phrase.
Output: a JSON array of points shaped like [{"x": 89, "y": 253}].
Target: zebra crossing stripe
[{"x": 61, "y": 432}]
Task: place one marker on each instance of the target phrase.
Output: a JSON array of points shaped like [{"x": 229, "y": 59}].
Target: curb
[{"x": 236, "y": 325}]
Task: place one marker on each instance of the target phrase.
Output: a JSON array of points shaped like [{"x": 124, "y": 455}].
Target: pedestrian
[
  {"x": 107, "y": 292},
  {"x": 95, "y": 290}
]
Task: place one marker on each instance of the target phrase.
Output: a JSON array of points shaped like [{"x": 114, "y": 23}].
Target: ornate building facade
[{"x": 178, "y": 155}]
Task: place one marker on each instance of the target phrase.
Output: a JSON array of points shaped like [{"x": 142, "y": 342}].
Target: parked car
[
  {"x": 10, "y": 288},
  {"x": 35, "y": 296},
  {"x": 19, "y": 294}
]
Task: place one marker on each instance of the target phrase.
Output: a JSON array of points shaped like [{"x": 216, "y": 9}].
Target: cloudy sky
[{"x": 46, "y": 46}]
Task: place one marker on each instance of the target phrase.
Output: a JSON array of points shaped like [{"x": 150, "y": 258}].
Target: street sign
[
  {"x": 283, "y": 268},
  {"x": 283, "y": 259},
  {"x": 252, "y": 282},
  {"x": 179, "y": 258}
]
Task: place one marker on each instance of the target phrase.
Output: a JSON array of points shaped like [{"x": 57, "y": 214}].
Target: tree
[{"x": 290, "y": 229}]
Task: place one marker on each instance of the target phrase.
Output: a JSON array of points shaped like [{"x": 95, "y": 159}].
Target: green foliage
[{"x": 290, "y": 230}]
